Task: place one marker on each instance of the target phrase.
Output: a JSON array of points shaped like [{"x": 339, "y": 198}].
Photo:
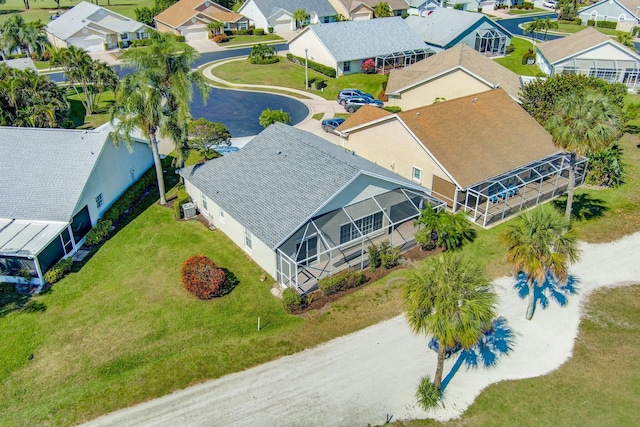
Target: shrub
[
  {"x": 181, "y": 199},
  {"x": 202, "y": 277},
  {"x": 263, "y": 54},
  {"x": 105, "y": 46},
  {"x": 635, "y": 32},
  {"x": 479, "y": 10},
  {"x": 258, "y": 32},
  {"x": 140, "y": 42},
  {"x": 509, "y": 49},
  {"x": 250, "y": 32},
  {"x": 240, "y": 32},
  {"x": 458, "y": 6},
  {"x": 427, "y": 394},
  {"x": 393, "y": 109},
  {"x": 368, "y": 66},
  {"x": 606, "y": 167},
  {"x": 577, "y": 21},
  {"x": 180, "y": 39},
  {"x": 322, "y": 69},
  {"x": 46, "y": 55},
  {"x": 607, "y": 24},
  {"x": 99, "y": 232},
  {"x": 527, "y": 5},
  {"x": 131, "y": 195},
  {"x": 389, "y": 255},
  {"x": 591, "y": 23},
  {"x": 320, "y": 84},
  {"x": 527, "y": 56},
  {"x": 269, "y": 117},
  {"x": 311, "y": 80},
  {"x": 220, "y": 38},
  {"x": 270, "y": 29},
  {"x": 121, "y": 44},
  {"x": 341, "y": 281},
  {"x": 374, "y": 256},
  {"x": 58, "y": 271},
  {"x": 292, "y": 300}
]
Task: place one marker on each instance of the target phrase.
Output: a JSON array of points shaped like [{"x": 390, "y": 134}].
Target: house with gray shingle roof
[
  {"x": 94, "y": 28},
  {"x": 55, "y": 184},
  {"x": 302, "y": 207},
  {"x": 591, "y": 53},
  {"x": 444, "y": 28},
  {"x": 390, "y": 42},
  {"x": 278, "y": 14},
  {"x": 624, "y": 12}
]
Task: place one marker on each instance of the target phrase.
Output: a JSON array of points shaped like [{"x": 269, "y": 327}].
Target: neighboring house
[
  {"x": 465, "y": 4},
  {"x": 482, "y": 154},
  {"x": 508, "y": 3},
  {"x": 444, "y": 28},
  {"x": 624, "y": 12},
  {"x": 457, "y": 72},
  {"x": 345, "y": 45},
  {"x": 356, "y": 10},
  {"x": 422, "y": 7},
  {"x": 21, "y": 64},
  {"x": 94, "y": 28},
  {"x": 190, "y": 18},
  {"x": 55, "y": 184},
  {"x": 278, "y": 14},
  {"x": 591, "y": 53},
  {"x": 302, "y": 207}
]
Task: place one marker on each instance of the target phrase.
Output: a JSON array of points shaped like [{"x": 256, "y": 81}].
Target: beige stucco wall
[
  {"x": 391, "y": 146},
  {"x": 450, "y": 86},
  {"x": 263, "y": 255},
  {"x": 163, "y": 28},
  {"x": 56, "y": 41},
  {"x": 317, "y": 51}
]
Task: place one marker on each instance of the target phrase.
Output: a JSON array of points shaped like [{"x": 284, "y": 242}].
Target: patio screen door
[{"x": 307, "y": 250}]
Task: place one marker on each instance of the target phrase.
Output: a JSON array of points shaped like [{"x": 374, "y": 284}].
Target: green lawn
[
  {"x": 573, "y": 28},
  {"x": 78, "y": 114},
  {"x": 288, "y": 74},
  {"x": 513, "y": 61},
  {"x": 598, "y": 386},
  {"x": 40, "y": 8},
  {"x": 246, "y": 39},
  {"x": 527, "y": 11}
]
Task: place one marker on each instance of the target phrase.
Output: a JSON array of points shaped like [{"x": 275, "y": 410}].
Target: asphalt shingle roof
[
  {"x": 350, "y": 40},
  {"x": 44, "y": 171},
  {"x": 559, "y": 49},
  {"x": 280, "y": 179},
  {"x": 321, "y": 7}
]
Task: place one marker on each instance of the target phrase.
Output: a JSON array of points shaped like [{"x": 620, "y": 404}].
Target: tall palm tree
[
  {"x": 300, "y": 15},
  {"x": 534, "y": 27},
  {"x": 139, "y": 106},
  {"x": 450, "y": 298},
  {"x": 166, "y": 66},
  {"x": 537, "y": 245},
  {"x": 443, "y": 229},
  {"x": 582, "y": 122},
  {"x": 547, "y": 24}
]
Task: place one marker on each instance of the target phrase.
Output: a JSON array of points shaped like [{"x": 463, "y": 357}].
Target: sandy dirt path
[{"x": 366, "y": 376}]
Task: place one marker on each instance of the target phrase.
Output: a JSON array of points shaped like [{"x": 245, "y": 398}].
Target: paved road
[
  {"x": 238, "y": 110},
  {"x": 512, "y": 24}
]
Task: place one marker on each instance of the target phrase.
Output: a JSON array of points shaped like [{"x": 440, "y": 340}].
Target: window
[
  {"x": 204, "y": 202},
  {"x": 307, "y": 250},
  {"x": 622, "y": 17},
  {"x": 416, "y": 175},
  {"x": 569, "y": 70},
  {"x": 606, "y": 74},
  {"x": 325, "y": 19},
  {"x": 242, "y": 25},
  {"x": 367, "y": 225},
  {"x": 141, "y": 35},
  {"x": 66, "y": 241},
  {"x": 124, "y": 36},
  {"x": 630, "y": 77},
  {"x": 247, "y": 239},
  {"x": 99, "y": 201},
  {"x": 346, "y": 67},
  {"x": 221, "y": 216}
]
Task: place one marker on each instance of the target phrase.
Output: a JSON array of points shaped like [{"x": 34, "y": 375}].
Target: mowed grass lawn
[
  {"x": 123, "y": 330},
  {"x": 288, "y": 74},
  {"x": 40, "y": 8},
  {"x": 598, "y": 386},
  {"x": 513, "y": 61}
]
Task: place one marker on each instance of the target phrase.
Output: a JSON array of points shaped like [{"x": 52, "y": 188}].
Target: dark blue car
[{"x": 330, "y": 125}]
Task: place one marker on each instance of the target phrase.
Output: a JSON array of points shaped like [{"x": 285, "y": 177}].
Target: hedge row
[
  {"x": 99, "y": 232},
  {"x": 322, "y": 69},
  {"x": 341, "y": 281},
  {"x": 58, "y": 271},
  {"x": 602, "y": 24},
  {"x": 132, "y": 194}
]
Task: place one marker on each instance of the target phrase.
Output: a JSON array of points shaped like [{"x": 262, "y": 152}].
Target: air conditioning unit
[{"x": 188, "y": 210}]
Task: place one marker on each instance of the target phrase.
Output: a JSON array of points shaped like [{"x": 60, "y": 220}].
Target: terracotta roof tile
[{"x": 180, "y": 12}]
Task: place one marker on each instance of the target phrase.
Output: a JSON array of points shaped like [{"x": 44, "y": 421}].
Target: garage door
[
  {"x": 194, "y": 33},
  {"x": 90, "y": 43},
  {"x": 284, "y": 25}
]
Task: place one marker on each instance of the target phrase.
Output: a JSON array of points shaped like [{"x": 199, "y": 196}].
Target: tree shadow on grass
[
  {"x": 493, "y": 344},
  {"x": 551, "y": 289},
  {"x": 12, "y": 300},
  {"x": 230, "y": 284},
  {"x": 585, "y": 207}
]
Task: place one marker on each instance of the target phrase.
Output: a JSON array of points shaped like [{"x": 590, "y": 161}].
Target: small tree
[
  {"x": 382, "y": 10},
  {"x": 263, "y": 54},
  {"x": 215, "y": 27},
  {"x": 269, "y": 117},
  {"x": 301, "y": 16},
  {"x": 204, "y": 134},
  {"x": 368, "y": 66},
  {"x": 202, "y": 277},
  {"x": 443, "y": 229}
]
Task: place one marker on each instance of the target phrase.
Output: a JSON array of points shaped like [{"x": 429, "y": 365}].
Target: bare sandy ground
[{"x": 364, "y": 377}]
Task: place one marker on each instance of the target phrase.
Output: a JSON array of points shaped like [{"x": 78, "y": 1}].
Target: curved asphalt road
[
  {"x": 238, "y": 110},
  {"x": 512, "y": 24}
]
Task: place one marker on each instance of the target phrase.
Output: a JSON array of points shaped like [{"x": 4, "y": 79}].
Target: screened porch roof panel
[{"x": 27, "y": 238}]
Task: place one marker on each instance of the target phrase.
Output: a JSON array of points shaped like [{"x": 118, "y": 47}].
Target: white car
[{"x": 550, "y": 4}]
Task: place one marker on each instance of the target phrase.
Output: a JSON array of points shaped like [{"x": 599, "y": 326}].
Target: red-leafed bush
[
  {"x": 202, "y": 277},
  {"x": 220, "y": 38},
  {"x": 368, "y": 66}
]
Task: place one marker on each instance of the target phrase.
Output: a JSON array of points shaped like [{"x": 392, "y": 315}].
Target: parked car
[
  {"x": 435, "y": 346},
  {"x": 352, "y": 104},
  {"x": 330, "y": 125},
  {"x": 350, "y": 93},
  {"x": 550, "y": 4}
]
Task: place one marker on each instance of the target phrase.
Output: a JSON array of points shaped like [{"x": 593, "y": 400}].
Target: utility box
[{"x": 188, "y": 210}]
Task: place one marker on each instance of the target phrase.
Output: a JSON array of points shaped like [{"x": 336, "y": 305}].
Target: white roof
[{"x": 26, "y": 238}]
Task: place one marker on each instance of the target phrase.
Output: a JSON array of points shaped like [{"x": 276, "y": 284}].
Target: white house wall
[
  {"x": 606, "y": 11},
  {"x": 543, "y": 64},
  {"x": 317, "y": 51},
  {"x": 114, "y": 172},
  {"x": 251, "y": 11},
  {"x": 262, "y": 254}
]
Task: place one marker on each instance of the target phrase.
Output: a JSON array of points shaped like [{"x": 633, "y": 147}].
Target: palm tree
[
  {"x": 300, "y": 15},
  {"x": 582, "y": 122},
  {"x": 382, "y": 10},
  {"x": 537, "y": 245},
  {"x": 547, "y": 24},
  {"x": 534, "y": 28},
  {"x": 443, "y": 229},
  {"x": 214, "y": 27},
  {"x": 625, "y": 39},
  {"x": 166, "y": 65},
  {"x": 450, "y": 298},
  {"x": 142, "y": 107}
]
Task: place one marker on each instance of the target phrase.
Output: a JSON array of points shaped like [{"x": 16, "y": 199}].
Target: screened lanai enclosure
[
  {"x": 386, "y": 63},
  {"x": 339, "y": 239},
  {"x": 491, "y": 42},
  {"x": 502, "y": 196},
  {"x": 625, "y": 71}
]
